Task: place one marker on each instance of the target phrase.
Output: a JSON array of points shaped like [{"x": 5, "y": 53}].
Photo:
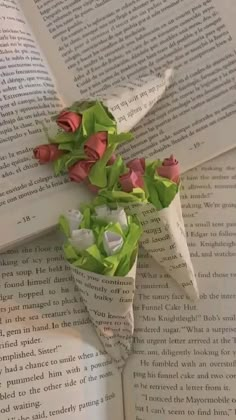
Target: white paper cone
[
  {"x": 164, "y": 238},
  {"x": 109, "y": 301},
  {"x": 130, "y": 102}
]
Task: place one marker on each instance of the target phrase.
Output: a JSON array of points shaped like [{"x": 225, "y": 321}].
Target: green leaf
[
  {"x": 64, "y": 225},
  {"x": 150, "y": 169},
  {"x": 167, "y": 190},
  {"x": 137, "y": 195},
  {"x": 95, "y": 118},
  {"x": 73, "y": 158},
  {"x": 63, "y": 137},
  {"x": 98, "y": 173},
  {"x": 66, "y": 146},
  {"x": 59, "y": 165},
  {"x": 86, "y": 222},
  {"x": 127, "y": 252},
  {"x": 70, "y": 252},
  {"x": 99, "y": 127},
  {"x": 121, "y": 138},
  {"x": 114, "y": 171},
  {"x": 153, "y": 193},
  {"x": 91, "y": 260}
]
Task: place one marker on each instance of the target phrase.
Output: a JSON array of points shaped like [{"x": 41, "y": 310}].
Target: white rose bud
[
  {"x": 115, "y": 216},
  {"x": 82, "y": 239},
  {"x": 112, "y": 242},
  {"x": 74, "y": 218}
]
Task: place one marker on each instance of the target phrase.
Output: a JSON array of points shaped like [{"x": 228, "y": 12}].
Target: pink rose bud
[
  {"x": 96, "y": 145},
  {"x": 170, "y": 169},
  {"x": 47, "y": 153},
  {"x": 69, "y": 121},
  {"x": 80, "y": 170},
  {"x": 111, "y": 160},
  {"x": 137, "y": 165},
  {"x": 131, "y": 180}
]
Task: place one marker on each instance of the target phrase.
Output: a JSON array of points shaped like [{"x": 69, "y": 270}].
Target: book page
[
  {"x": 184, "y": 361},
  {"x": 109, "y": 301},
  {"x": 27, "y": 98},
  {"x": 52, "y": 364},
  {"x": 93, "y": 45}
]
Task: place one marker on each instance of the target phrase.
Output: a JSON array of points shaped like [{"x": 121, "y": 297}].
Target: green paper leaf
[
  {"x": 63, "y": 137},
  {"x": 73, "y": 158},
  {"x": 66, "y": 146},
  {"x": 114, "y": 171},
  {"x": 100, "y": 127},
  {"x": 96, "y": 116},
  {"x": 59, "y": 165},
  {"x": 64, "y": 225},
  {"x": 121, "y": 138},
  {"x": 127, "y": 250},
  {"x": 86, "y": 222},
  {"x": 150, "y": 169},
  {"x": 110, "y": 265},
  {"x": 91, "y": 260},
  {"x": 70, "y": 252},
  {"x": 98, "y": 174},
  {"x": 153, "y": 194},
  {"x": 115, "y": 228},
  {"x": 167, "y": 190},
  {"x": 137, "y": 195}
]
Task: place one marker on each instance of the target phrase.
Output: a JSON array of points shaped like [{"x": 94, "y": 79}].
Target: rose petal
[
  {"x": 170, "y": 169},
  {"x": 80, "y": 170},
  {"x": 170, "y": 161},
  {"x": 131, "y": 180},
  {"x": 69, "y": 121},
  {"x": 96, "y": 145},
  {"x": 47, "y": 153},
  {"x": 137, "y": 165}
]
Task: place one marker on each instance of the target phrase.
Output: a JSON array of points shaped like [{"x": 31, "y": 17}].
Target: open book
[
  {"x": 52, "y": 364},
  {"x": 53, "y": 53}
]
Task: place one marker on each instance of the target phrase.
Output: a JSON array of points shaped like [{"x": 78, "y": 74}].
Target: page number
[{"x": 26, "y": 219}]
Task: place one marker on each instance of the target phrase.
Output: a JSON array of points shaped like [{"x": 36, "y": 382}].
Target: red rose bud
[
  {"x": 69, "y": 121},
  {"x": 96, "y": 145},
  {"x": 170, "y": 169},
  {"x": 131, "y": 180},
  {"x": 137, "y": 165},
  {"x": 47, "y": 153},
  {"x": 80, "y": 170}
]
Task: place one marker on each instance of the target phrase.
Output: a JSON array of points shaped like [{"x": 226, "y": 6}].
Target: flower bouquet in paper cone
[
  {"x": 150, "y": 190},
  {"x": 101, "y": 240},
  {"x": 101, "y": 247},
  {"x": 91, "y": 130}
]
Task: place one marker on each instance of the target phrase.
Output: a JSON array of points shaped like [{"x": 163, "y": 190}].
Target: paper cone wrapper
[
  {"x": 130, "y": 102},
  {"x": 165, "y": 240},
  {"x": 109, "y": 301}
]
